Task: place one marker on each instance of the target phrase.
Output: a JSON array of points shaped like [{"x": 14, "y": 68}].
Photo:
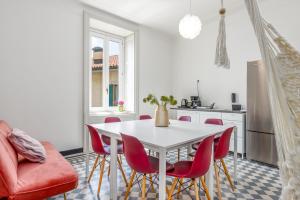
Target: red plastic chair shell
[
  {"x": 105, "y": 139},
  {"x": 185, "y": 118},
  {"x": 222, "y": 147},
  {"x": 214, "y": 121},
  {"x": 199, "y": 166},
  {"x": 144, "y": 117}
]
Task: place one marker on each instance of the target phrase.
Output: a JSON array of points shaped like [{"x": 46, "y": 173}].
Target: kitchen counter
[
  {"x": 201, "y": 114},
  {"x": 211, "y": 110}
]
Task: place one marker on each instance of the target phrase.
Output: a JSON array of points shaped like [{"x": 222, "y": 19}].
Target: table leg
[
  {"x": 87, "y": 152},
  {"x": 235, "y": 155},
  {"x": 113, "y": 169},
  {"x": 189, "y": 151},
  {"x": 162, "y": 175},
  {"x": 210, "y": 175}
]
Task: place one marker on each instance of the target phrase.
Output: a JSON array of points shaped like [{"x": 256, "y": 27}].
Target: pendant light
[{"x": 190, "y": 25}]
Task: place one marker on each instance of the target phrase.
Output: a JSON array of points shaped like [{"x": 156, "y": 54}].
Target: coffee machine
[{"x": 195, "y": 101}]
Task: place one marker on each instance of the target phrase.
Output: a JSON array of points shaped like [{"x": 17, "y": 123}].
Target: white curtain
[{"x": 282, "y": 64}]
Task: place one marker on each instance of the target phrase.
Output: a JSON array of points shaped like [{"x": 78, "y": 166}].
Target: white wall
[
  {"x": 194, "y": 59},
  {"x": 41, "y": 68},
  {"x": 155, "y": 57}
]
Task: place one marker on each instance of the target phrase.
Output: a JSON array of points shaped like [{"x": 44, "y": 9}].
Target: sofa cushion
[
  {"x": 8, "y": 162},
  {"x": 38, "y": 181},
  {"x": 27, "y": 146}
]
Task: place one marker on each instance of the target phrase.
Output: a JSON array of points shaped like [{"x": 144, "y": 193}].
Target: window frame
[
  {"x": 107, "y": 37},
  {"x": 88, "y": 14}
]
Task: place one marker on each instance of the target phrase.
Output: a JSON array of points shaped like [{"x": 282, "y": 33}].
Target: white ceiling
[{"x": 163, "y": 15}]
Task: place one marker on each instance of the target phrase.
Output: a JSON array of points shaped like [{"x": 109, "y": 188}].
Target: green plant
[{"x": 164, "y": 100}]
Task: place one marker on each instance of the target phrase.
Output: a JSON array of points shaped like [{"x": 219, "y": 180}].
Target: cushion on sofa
[
  {"x": 8, "y": 162},
  {"x": 38, "y": 181},
  {"x": 27, "y": 146}
]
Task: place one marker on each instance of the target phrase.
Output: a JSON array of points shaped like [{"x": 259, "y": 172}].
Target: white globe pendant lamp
[{"x": 190, "y": 26}]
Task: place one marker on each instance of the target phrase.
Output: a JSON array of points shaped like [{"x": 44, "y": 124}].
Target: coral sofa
[{"x": 24, "y": 180}]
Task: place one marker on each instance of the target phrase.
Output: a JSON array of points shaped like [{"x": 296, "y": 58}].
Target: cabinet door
[
  {"x": 240, "y": 136},
  {"x": 208, "y": 115},
  {"x": 194, "y": 115},
  {"x": 239, "y": 126},
  {"x": 240, "y": 146}
]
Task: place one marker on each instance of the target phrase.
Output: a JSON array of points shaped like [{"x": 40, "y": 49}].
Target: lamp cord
[{"x": 190, "y": 6}]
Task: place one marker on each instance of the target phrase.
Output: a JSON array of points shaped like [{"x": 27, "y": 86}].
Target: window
[
  {"x": 106, "y": 54},
  {"x": 111, "y": 67}
]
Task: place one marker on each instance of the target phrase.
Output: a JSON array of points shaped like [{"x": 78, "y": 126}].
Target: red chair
[
  {"x": 139, "y": 162},
  {"x": 186, "y": 119},
  {"x": 105, "y": 139},
  {"x": 103, "y": 151},
  {"x": 212, "y": 121},
  {"x": 221, "y": 148},
  {"x": 221, "y": 151},
  {"x": 193, "y": 169},
  {"x": 144, "y": 117}
]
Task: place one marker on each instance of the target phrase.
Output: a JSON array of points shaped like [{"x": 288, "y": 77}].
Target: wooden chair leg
[
  {"x": 120, "y": 157},
  {"x": 144, "y": 187},
  {"x": 205, "y": 188},
  {"x": 151, "y": 183},
  {"x": 133, "y": 173},
  {"x": 93, "y": 169},
  {"x": 218, "y": 181},
  {"x": 102, "y": 165},
  {"x": 228, "y": 175},
  {"x": 196, "y": 189},
  {"x": 179, "y": 187},
  {"x": 171, "y": 191},
  {"x": 167, "y": 191},
  {"x": 122, "y": 171},
  {"x": 108, "y": 172},
  {"x": 65, "y": 196},
  {"x": 178, "y": 154}
]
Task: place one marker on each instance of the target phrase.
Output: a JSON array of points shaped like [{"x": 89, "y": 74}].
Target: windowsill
[{"x": 110, "y": 113}]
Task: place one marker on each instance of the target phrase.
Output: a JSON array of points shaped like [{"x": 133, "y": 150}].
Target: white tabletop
[{"x": 177, "y": 134}]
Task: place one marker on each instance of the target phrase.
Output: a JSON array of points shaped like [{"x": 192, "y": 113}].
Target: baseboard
[{"x": 71, "y": 151}]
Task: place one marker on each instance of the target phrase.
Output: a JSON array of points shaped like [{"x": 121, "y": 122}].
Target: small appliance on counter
[
  {"x": 195, "y": 101},
  {"x": 235, "y": 106},
  {"x": 184, "y": 103}
]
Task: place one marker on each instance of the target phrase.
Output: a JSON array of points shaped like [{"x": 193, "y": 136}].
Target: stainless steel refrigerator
[{"x": 260, "y": 139}]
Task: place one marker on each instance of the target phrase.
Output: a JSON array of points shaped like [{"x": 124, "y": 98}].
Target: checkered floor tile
[{"x": 255, "y": 181}]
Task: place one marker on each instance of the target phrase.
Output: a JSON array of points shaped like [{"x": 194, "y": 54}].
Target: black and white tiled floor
[{"x": 255, "y": 181}]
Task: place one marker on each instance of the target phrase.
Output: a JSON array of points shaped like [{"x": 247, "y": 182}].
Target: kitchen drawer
[
  {"x": 207, "y": 115},
  {"x": 233, "y": 117}
]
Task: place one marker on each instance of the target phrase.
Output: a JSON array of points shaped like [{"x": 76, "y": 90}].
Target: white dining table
[{"x": 159, "y": 139}]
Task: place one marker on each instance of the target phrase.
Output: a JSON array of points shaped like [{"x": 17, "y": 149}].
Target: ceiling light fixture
[{"x": 190, "y": 25}]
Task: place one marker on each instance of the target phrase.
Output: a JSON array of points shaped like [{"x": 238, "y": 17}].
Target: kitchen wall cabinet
[{"x": 237, "y": 118}]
